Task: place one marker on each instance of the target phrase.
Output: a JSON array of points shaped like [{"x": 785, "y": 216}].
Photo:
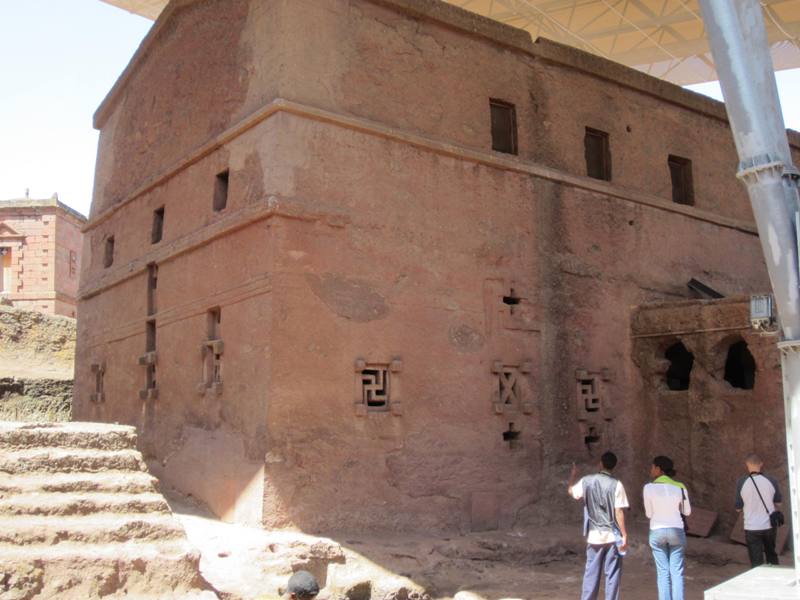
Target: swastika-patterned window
[
  {"x": 375, "y": 387},
  {"x": 589, "y": 394}
]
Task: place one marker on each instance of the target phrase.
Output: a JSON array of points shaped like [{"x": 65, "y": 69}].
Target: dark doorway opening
[
  {"x": 679, "y": 373},
  {"x": 740, "y": 366}
]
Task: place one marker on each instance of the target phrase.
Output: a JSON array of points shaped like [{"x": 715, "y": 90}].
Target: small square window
[
  {"x": 375, "y": 387},
  {"x": 680, "y": 172},
  {"x": 221, "y": 191},
  {"x": 158, "y": 226},
  {"x": 597, "y": 153},
  {"x": 108, "y": 256},
  {"x": 504, "y": 126}
]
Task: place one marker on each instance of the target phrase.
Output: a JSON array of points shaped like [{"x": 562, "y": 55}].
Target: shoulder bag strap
[
  {"x": 683, "y": 502},
  {"x": 759, "y": 493}
]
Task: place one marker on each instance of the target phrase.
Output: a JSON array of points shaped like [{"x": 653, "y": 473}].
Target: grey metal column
[{"x": 738, "y": 41}]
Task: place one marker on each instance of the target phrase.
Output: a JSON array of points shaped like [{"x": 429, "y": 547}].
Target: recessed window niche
[
  {"x": 740, "y": 366},
  {"x": 681, "y": 361}
]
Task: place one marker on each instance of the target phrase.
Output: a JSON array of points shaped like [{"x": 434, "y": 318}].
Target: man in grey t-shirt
[
  {"x": 757, "y": 495},
  {"x": 606, "y": 537}
]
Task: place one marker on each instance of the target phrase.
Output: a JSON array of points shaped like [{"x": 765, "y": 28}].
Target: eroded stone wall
[
  {"x": 388, "y": 325},
  {"x": 709, "y": 417}
]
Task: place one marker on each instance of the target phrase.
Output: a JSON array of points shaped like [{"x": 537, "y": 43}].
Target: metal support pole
[
  {"x": 738, "y": 42},
  {"x": 790, "y": 365}
]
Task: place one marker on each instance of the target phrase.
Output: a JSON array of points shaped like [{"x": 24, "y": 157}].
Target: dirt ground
[
  {"x": 36, "y": 346},
  {"x": 36, "y": 364},
  {"x": 246, "y": 563}
]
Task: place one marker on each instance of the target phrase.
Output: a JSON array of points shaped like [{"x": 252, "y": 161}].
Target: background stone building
[
  {"x": 377, "y": 264},
  {"x": 40, "y": 249}
]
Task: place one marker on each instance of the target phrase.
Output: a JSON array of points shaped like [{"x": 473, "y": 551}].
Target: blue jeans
[{"x": 669, "y": 546}]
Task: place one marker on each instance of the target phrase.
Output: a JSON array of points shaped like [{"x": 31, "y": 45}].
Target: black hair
[
  {"x": 665, "y": 464},
  {"x": 608, "y": 460}
]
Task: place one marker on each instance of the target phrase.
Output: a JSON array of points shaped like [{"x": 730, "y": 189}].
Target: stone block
[{"x": 701, "y": 521}]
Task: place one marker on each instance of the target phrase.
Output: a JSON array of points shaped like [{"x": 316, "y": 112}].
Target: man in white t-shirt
[
  {"x": 757, "y": 495},
  {"x": 604, "y": 527}
]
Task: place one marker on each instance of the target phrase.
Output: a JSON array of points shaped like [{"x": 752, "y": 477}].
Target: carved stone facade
[
  {"x": 346, "y": 210},
  {"x": 726, "y": 405},
  {"x": 40, "y": 255}
]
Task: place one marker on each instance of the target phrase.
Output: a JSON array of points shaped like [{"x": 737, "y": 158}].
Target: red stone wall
[
  {"x": 41, "y": 278},
  {"x": 709, "y": 428},
  {"x": 368, "y": 220}
]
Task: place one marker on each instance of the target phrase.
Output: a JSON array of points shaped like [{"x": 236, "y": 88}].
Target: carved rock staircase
[{"x": 80, "y": 517}]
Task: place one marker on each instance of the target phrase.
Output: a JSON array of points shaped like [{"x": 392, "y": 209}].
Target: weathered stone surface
[
  {"x": 404, "y": 311},
  {"x": 79, "y": 518}
]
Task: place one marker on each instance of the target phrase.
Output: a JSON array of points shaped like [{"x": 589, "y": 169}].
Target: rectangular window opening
[
  {"x": 150, "y": 341},
  {"x": 213, "y": 322},
  {"x": 504, "y": 126},
  {"x": 221, "y": 191},
  {"x": 108, "y": 256},
  {"x": 158, "y": 226},
  {"x": 151, "y": 383},
  {"x": 598, "y": 154},
  {"x": 680, "y": 172},
  {"x": 212, "y": 354},
  {"x": 152, "y": 285}
]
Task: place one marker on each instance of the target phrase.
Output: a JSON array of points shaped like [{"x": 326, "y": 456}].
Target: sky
[{"x": 59, "y": 59}]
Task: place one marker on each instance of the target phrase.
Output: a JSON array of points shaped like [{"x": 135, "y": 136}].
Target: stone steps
[
  {"x": 67, "y": 435},
  {"x": 80, "y": 517},
  {"x": 101, "y": 528},
  {"x": 168, "y": 570},
  {"x": 82, "y": 503},
  {"x": 129, "y": 482},
  {"x": 78, "y": 460}
]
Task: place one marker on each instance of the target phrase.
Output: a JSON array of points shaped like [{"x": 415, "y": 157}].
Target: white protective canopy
[{"x": 664, "y": 38}]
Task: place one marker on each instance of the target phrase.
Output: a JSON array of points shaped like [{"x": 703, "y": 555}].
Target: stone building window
[
  {"x": 5, "y": 269},
  {"x": 597, "y": 152},
  {"x": 108, "y": 255},
  {"x": 211, "y": 352},
  {"x": 679, "y": 372},
  {"x": 221, "y": 190},
  {"x": 680, "y": 172},
  {"x": 512, "y": 300},
  {"x": 512, "y": 393},
  {"x": 157, "y": 231},
  {"x": 504, "y": 126},
  {"x": 589, "y": 393},
  {"x": 73, "y": 264},
  {"x": 594, "y": 409},
  {"x": 377, "y": 387},
  {"x": 740, "y": 366},
  {"x": 152, "y": 284},
  {"x": 148, "y": 360},
  {"x": 511, "y": 436},
  {"x": 99, "y": 371}
]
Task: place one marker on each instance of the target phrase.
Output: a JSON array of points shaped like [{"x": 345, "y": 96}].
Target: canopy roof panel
[{"x": 664, "y": 38}]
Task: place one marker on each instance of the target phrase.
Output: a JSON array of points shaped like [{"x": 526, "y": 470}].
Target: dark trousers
[
  {"x": 602, "y": 559},
  {"x": 760, "y": 543}
]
